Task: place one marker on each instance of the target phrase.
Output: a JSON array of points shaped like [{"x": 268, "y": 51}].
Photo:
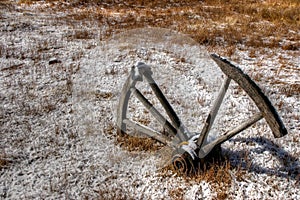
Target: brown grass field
[{"x": 217, "y": 24}]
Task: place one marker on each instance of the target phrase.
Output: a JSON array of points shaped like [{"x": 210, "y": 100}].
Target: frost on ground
[{"x": 59, "y": 89}]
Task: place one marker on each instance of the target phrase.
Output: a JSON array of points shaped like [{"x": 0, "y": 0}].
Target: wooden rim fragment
[{"x": 261, "y": 100}]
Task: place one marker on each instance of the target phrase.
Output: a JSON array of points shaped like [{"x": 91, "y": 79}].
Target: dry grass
[
  {"x": 3, "y": 162},
  {"x": 220, "y": 175},
  {"x": 272, "y": 24},
  {"x": 224, "y": 27},
  {"x": 114, "y": 192},
  {"x": 131, "y": 143},
  {"x": 7, "y": 160},
  {"x": 177, "y": 194}
]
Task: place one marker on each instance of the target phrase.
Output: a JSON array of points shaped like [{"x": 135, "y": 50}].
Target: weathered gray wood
[
  {"x": 135, "y": 75},
  {"x": 148, "y": 132},
  {"x": 123, "y": 105},
  {"x": 255, "y": 93},
  {"x": 213, "y": 113},
  {"x": 208, "y": 147},
  {"x": 156, "y": 114},
  {"x": 167, "y": 106}
]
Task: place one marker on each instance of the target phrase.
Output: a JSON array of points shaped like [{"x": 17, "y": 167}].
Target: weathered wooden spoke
[
  {"x": 148, "y": 131},
  {"x": 168, "y": 108},
  {"x": 205, "y": 149},
  {"x": 160, "y": 118},
  {"x": 213, "y": 113}
]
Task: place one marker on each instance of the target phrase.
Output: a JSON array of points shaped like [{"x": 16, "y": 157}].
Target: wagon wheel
[{"x": 194, "y": 148}]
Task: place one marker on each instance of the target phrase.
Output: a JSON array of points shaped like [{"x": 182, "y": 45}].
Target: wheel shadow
[{"x": 288, "y": 168}]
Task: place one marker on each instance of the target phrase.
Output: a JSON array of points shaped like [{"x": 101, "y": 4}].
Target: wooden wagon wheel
[{"x": 194, "y": 147}]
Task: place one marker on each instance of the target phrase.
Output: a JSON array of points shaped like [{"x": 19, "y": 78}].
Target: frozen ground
[{"x": 59, "y": 88}]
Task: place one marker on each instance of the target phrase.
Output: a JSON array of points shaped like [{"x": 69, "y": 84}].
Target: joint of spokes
[
  {"x": 185, "y": 164},
  {"x": 138, "y": 70}
]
